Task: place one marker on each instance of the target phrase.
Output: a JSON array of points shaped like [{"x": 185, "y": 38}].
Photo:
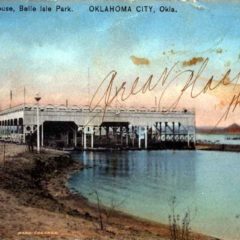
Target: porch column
[
  {"x": 133, "y": 136},
  {"x": 139, "y": 137},
  {"x": 75, "y": 137},
  {"x": 92, "y": 137},
  {"x": 146, "y": 137},
  {"x": 67, "y": 138},
  {"x": 42, "y": 135},
  {"x": 24, "y": 134},
  {"x": 84, "y": 139}
]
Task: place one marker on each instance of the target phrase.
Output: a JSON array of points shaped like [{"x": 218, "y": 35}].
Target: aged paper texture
[{"x": 119, "y": 119}]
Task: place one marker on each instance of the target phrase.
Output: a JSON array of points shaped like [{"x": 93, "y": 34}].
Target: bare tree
[
  {"x": 105, "y": 213},
  {"x": 99, "y": 210}
]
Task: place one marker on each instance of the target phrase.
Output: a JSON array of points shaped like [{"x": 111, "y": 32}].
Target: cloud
[
  {"x": 193, "y": 61},
  {"x": 140, "y": 61},
  {"x": 223, "y": 92},
  {"x": 174, "y": 52},
  {"x": 116, "y": 24},
  {"x": 219, "y": 50},
  {"x": 227, "y": 64},
  {"x": 194, "y": 3}
]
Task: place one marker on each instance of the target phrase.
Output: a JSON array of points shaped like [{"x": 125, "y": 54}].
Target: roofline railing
[{"x": 50, "y": 107}]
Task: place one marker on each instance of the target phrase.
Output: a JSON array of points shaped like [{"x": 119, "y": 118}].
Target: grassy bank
[{"x": 36, "y": 204}]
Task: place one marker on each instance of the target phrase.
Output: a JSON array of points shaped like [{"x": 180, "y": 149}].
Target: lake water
[{"x": 142, "y": 183}]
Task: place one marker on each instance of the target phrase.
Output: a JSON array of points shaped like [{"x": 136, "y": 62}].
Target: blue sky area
[{"x": 53, "y": 52}]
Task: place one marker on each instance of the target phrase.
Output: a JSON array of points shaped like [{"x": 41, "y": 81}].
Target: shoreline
[
  {"x": 160, "y": 229},
  {"x": 199, "y": 146},
  {"x": 218, "y": 147},
  {"x": 52, "y": 208}
]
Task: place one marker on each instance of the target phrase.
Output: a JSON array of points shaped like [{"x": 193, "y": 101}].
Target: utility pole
[
  {"x": 38, "y": 98},
  {"x": 10, "y": 98},
  {"x": 88, "y": 88},
  {"x": 24, "y": 96}
]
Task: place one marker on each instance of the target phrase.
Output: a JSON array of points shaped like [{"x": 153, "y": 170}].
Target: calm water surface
[{"x": 143, "y": 183}]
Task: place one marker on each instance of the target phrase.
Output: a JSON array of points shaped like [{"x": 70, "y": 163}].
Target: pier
[{"x": 79, "y": 127}]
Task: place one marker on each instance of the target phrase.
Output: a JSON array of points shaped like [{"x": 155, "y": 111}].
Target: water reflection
[
  {"x": 156, "y": 169},
  {"x": 147, "y": 180}
]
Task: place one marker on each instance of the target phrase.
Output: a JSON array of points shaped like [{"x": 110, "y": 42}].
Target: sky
[{"x": 66, "y": 55}]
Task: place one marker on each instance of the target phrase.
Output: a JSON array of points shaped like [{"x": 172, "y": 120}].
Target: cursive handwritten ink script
[{"x": 106, "y": 92}]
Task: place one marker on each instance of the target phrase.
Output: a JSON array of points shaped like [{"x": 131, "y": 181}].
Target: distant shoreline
[
  {"x": 233, "y": 129},
  {"x": 218, "y": 147}
]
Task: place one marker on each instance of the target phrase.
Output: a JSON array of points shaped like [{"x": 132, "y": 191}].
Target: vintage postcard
[{"x": 120, "y": 119}]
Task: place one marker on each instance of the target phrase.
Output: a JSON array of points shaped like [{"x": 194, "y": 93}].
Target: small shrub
[{"x": 179, "y": 228}]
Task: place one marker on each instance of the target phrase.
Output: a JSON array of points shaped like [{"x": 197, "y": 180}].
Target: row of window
[{"x": 12, "y": 122}]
